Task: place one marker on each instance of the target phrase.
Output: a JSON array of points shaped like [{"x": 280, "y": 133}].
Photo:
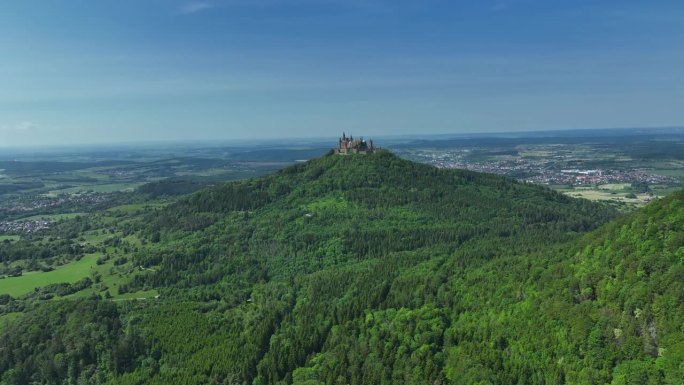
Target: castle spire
[{"x": 349, "y": 145}]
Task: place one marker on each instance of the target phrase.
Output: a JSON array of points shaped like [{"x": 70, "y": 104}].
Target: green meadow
[
  {"x": 70, "y": 273},
  {"x": 98, "y": 188},
  {"x": 132, "y": 208},
  {"x": 51, "y": 217}
]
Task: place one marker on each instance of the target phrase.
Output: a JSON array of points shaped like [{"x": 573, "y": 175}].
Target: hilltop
[
  {"x": 338, "y": 209},
  {"x": 367, "y": 269}
]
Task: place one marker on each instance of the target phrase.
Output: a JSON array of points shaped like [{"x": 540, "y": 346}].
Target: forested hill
[
  {"x": 616, "y": 298},
  {"x": 376, "y": 182},
  {"x": 291, "y": 259},
  {"x": 347, "y": 209},
  {"x": 375, "y": 270}
]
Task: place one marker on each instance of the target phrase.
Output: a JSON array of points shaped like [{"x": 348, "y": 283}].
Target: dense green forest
[{"x": 374, "y": 270}]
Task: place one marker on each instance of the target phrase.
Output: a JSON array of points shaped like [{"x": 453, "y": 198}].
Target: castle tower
[{"x": 349, "y": 145}]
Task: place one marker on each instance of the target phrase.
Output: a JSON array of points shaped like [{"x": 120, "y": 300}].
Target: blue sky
[{"x": 84, "y": 71}]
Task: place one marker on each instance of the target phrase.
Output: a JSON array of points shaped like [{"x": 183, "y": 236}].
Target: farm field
[
  {"x": 606, "y": 195},
  {"x": 676, "y": 173},
  {"x": 98, "y": 188},
  {"x": 51, "y": 217},
  {"x": 110, "y": 279},
  {"x": 131, "y": 208},
  {"x": 70, "y": 273}
]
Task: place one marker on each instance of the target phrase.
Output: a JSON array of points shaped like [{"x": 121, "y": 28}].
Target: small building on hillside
[{"x": 349, "y": 145}]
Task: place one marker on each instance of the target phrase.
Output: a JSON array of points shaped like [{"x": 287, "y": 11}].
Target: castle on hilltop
[{"x": 349, "y": 145}]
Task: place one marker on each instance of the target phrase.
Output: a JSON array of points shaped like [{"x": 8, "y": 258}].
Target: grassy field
[
  {"x": 9, "y": 238},
  {"x": 662, "y": 191},
  {"x": 535, "y": 153},
  {"x": 113, "y": 279},
  {"x": 131, "y": 208},
  {"x": 51, "y": 217},
  {"x": 70, "y": 273},
  {"x": 73, "y": 272},
  {"x": 606, "y": 195},
  {"x": 95, "y": 237},
  {"x": 100, "y": 188},
  {"x": 615, "y": 186},
  {"x": 676, "y": 173},
  {"x": 137, "y": 295}
]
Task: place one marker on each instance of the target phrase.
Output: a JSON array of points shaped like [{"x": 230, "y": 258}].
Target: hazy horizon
[
  {"x": 330, "y": 140},
  {"x": 98, "y": 73}
]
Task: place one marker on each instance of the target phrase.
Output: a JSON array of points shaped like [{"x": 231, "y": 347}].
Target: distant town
[
  {"x": 24, "y": 227},
  {"x": 618, "y": 174},
  {"x": 49, "y": 201},
  {"x": 542, "y": 171}
]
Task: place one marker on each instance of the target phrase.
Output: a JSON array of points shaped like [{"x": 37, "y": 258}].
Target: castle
[{"x": 349, "y": 145}]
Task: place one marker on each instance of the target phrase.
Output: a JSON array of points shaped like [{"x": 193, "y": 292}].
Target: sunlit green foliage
[{"x": 375, "y": 270}]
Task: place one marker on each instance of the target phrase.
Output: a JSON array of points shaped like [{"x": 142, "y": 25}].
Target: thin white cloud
[
  {"x": 194, "y": 7},
  {"x": 21, "y": 126},
  {"x": 198, "y": 6}
]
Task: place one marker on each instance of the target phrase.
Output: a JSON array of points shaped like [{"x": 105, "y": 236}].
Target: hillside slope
[
  {"x": 338, "y": 209},
  {"x": 618, "y": 297},
  {"x": 376, "y": 270},
  {"x": 319, "y": 244}
]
